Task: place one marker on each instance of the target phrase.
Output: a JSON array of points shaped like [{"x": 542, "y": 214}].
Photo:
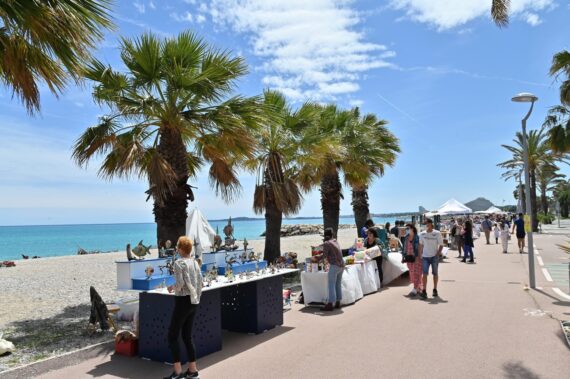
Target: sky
[{"x": 439, "y": 71}]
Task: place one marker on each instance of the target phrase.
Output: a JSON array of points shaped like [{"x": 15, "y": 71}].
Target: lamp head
[{"x": 524, "y": 97}]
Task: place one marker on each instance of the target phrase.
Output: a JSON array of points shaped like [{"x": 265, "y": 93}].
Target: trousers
[{"x": 181, "y": 322}]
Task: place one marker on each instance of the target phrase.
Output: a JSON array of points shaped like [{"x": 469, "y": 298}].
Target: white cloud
[
  {"x": 184, "y": 17},
  {"x": 355, "y": 102},
  {"x": 446, "y": 14},
  {"x": 151, "y": 5},
  {"x": 140, "y": 7},
  {"x": 532, "y": 18},
  {"x": 310, "y": 48}
]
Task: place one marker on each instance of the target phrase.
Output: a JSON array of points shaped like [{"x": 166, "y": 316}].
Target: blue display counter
[
  {"x": 243, "y": 267},
  {"x": 155, "y": 281}
]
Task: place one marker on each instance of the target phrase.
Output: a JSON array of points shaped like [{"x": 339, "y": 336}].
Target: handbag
[{"x": 409, "y": 258}]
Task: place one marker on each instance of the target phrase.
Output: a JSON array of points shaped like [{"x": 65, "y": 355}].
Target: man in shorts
[
  {"x": 431, "y": 245},
  {"x": 518, "y": 225}
]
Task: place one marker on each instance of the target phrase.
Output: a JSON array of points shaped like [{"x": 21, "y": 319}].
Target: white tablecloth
[{"x": 393, "y": 267}]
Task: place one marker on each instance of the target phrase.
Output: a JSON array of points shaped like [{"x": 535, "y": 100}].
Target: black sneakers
[
  {"x": 435, "y": 292},
  {"x": 176, "y": 376},
  {"x": 192, "y": 375},
  {"x": 423, "y": 295}
]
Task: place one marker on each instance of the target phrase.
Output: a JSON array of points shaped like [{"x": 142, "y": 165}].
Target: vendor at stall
[
  {"x": 371, "y": 241},
  {"x": 187, "y": 292},
  {"x": 333, "y": 254}
]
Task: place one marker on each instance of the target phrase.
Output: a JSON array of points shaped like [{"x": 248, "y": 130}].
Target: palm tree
[
  {"x": 558, "y": 124},
  {"x": 561, "y": 67},
  {"x": 48, "y": 41},
  {"x": 500, "y": 12},
  {"x": 280, "y": 151},
  {"x": 370, "y": 147},
  {"x": 547, "y": 179},
  {"x": 539, "y": 154},
  {"x": 562, "y": 195},
  {"x": 171, "y": 114}
]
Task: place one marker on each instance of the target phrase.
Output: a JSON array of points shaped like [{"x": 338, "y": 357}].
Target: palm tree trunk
[
  {"x": 273, "y": 219},
  {"x": 170, "y": 214},
  {"x": 360, "y": 207},
  {"x": 544, "y": 200},
  {"x": 533, "y": 202},
  {"x": 564, "y": 209},
  {"x": 331, "y": 192}
]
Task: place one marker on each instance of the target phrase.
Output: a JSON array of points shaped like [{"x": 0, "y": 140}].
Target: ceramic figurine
[
  {"x": 245, "y": 244},
  {"x": 149, "y": 270},
  {"x": 141, "y": 250}
]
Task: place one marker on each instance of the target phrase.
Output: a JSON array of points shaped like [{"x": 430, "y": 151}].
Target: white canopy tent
[
  {"x": 453, "y": 207},
  {"x": 491, "y": 210},
  {"x": 198, "y": 229}
]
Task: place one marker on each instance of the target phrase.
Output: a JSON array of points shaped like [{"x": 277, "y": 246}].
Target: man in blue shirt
[{"x": 518, "y": 225}]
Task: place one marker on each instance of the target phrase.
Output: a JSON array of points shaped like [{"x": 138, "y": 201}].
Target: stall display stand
[
  {"x": 253, "y": 307},
  {"x": 155, "y": 312}
]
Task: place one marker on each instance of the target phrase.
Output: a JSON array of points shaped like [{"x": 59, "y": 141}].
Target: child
[{"x": 497, "y": 233}]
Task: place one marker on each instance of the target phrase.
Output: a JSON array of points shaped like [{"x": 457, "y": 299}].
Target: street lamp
[{"x": 526, "y": 97}]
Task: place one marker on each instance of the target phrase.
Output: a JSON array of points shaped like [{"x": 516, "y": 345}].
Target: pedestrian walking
[
  {"x": 431, "y": 245},
  {"x": 468, "y": 242},
  {"x": 458, "y": 237},
  {"x": 487, "y": 226},
  {"x": 497, "y": 233},
  {"x": 504, "y": 235},
  {"x": 518, "y": 225},
  {"x": 410, "y": 256}
]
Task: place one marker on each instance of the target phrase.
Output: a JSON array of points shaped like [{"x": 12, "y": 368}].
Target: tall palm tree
[
  {"x": 370, "y": 147},
  {"x": 539, "y": 153},
  {"x": 500, "y": 12},
  {"x": 562, "y": 195},
  {"x": 48, "y": 41},
  {"x": 547, "y": 178},
  {"x": 561, "y": 67},
  {"x": 281, "y": 149},
  {"x": 170, "y": 115}
]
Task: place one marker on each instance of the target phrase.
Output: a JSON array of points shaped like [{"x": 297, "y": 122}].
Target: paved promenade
[{"x": 486, "y": 324}]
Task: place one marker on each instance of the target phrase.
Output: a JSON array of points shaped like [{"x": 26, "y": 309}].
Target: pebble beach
[{"x": 44, "y": 303}]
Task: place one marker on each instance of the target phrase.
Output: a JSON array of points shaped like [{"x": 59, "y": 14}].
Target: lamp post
[{"x": 527, "y": 98}]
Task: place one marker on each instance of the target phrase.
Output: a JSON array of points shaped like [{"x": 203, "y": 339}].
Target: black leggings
[
  {"x": 182, "y": 320},
  {"x": 380, "y": 272}
]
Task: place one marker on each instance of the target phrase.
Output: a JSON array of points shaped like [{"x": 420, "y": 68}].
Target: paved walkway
[{"x": 484, "y": 325}]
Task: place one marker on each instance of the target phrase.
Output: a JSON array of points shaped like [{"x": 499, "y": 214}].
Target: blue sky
[{"x": 440, "y": 72}]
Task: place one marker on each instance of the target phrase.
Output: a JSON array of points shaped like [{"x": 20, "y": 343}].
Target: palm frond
[{"x": 500, "y": 12}]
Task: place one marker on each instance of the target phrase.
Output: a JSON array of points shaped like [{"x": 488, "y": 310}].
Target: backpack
[{"x": 454, "y": 230}]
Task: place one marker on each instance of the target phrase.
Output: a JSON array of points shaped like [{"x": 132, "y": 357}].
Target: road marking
[
  {"x": 559, "y": 292},
  {"x": 540, "y": 262},
  {"x": 547, "y": 275}
]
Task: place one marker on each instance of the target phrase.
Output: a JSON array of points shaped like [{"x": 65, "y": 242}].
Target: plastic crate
[{"x": 128, "y": 348}]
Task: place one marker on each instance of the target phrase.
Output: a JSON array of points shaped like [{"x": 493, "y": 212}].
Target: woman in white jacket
[{"x": 504, "y": 235}]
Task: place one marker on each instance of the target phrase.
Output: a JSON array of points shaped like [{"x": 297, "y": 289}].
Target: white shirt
[{"x": 431, "y": 243}]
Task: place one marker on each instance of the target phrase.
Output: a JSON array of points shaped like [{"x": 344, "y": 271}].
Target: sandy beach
[{"x": 44, "y": 303}]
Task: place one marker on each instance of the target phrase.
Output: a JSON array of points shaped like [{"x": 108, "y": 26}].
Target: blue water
[{"x": 57, "y": 240}]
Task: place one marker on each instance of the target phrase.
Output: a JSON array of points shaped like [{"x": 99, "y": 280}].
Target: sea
[{"x": 59, "y": 240}]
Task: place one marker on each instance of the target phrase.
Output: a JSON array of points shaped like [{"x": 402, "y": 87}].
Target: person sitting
[
  {"x": 368, "y": 224},
  {"x": 371, "y": 241},
  {"x": 333, "y": 254},
  {"x": 187, "y": 290}
]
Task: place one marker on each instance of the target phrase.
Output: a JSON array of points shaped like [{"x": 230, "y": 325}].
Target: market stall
[{"x": 249, "y": 304}]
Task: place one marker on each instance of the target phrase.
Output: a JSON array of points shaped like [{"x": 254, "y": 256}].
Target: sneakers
[
  {"x": 464, "y": 260},
  {"x": 413, "y": 293},
  {"x": 176, "y": 376},
  {"x": 328, "y": 307},
  {"x": 423, "y": 295},
  {"x": 471, "y": 261},
  {"x": 192, "y": 375},
  {"x": 435, "y": 292}
]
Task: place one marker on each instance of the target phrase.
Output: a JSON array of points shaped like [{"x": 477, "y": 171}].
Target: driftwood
[{"x": 99, "y": 311}]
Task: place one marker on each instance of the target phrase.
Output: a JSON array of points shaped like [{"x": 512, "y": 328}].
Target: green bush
[{"x": 545, "y": 218}]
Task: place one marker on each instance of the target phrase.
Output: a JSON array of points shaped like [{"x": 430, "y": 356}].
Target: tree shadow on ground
[
  {"x": 36, "y": 339},
  {"x": 517, "y": 370}
]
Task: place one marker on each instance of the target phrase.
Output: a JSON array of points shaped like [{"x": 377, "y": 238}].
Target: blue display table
[
  {"x": 155, "y": 312},
  {"x": 155, "y": 281},
  {"x": 242, "y": 267}
]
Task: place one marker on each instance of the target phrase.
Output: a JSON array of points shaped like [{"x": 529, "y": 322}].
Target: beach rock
[{"x": 305, "y": 229}]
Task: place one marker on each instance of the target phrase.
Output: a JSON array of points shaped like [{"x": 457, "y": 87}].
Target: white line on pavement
[
  {"x": 547, "y": 275},
  {"x": 559, "y": 292},
  {"x": 540, "y": 262}
]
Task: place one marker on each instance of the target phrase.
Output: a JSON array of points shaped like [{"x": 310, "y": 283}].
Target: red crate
[{"x": 128, "y": 348}]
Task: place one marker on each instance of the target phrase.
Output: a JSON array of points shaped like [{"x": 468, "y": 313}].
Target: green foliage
[{"x": 545, "y": 218}]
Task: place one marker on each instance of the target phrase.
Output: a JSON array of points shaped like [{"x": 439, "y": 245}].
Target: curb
[{"x": 59, "y": 361}]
